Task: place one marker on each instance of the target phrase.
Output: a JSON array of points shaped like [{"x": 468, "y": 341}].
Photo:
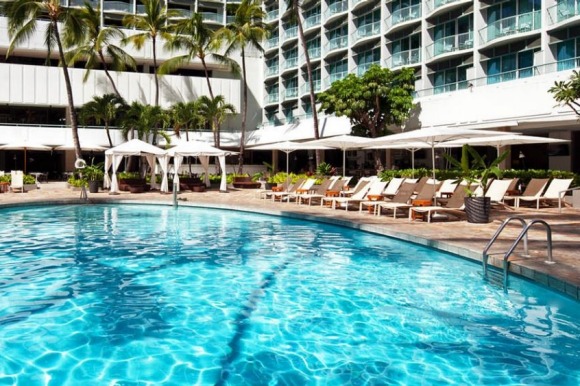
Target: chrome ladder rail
[{"x": 496, "y": 235}]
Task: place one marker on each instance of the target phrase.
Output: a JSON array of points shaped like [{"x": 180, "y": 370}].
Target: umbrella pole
[
  {"x": 433, "y": 167},
  {"x": 343, "y": 162},
  {"x": 413, "y": 162},
  {"x": 24, "y": 160}
]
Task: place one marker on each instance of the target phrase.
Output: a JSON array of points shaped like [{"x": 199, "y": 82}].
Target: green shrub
[
  {"x": 128, "y": 175},
  {"x": 77, "y": 182}
]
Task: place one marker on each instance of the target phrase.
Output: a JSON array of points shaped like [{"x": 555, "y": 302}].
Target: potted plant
[
  {"x": 477, "y": 176},
  {"x": 94, "y": 174}
]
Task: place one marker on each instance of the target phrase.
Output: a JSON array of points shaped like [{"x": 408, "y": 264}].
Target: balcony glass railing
[
  {"x": 212, "y": 17},
  {"x": 336, "y": 43},
  {"x": 451, "y": 43},
  {"x": 291, "y": 93},
  {"x": 272, "y": 98},
  {"x": 362, "y": 68},
  {"x": 117, "y": 6},
  {"x": 272, "y": 43},
  {"x": 312, "y": 21},
  {"x": 272, "y": 15},
  {"x": 337, "y": 7},
  {"x": 305, "y": 89},
  {"x": 434, "y": 4},
  {"x": 450, "y": 87},
  {"x": 272, "y": 70},
  {"x": 80, "y": 3},
  {"x": 334, "y": 77},
  {"x": 525, "y": 22},
  {"x": 366, "y": 30},
  {"x": 313, "y": 54},
  {"x": 291, "y": 62},
  {"x": 290, "y": 33},
  {"x": 404, "y": 14},
  {"x": 564, "y": 10},
  {"x": 510, "y": 75},
  {"x": 405, "y": 58}
]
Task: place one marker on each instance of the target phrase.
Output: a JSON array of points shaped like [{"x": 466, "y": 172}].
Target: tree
[
  {"x": 102, "y": 109},
  {"x": 97, "y": 46},
  {"x": 194, "y": 37},
  {"x": 155, "y": 23},
  {"x": 294, "y": 6},
  {"x": 378, "y": 98},
  {"x": 23, "y": 16},
  {"x": 246, "y": 30},
  {"x": 215, "y": 110},
  {"x": 567, "y": 93},
  {"x": 186, "y": 116}
]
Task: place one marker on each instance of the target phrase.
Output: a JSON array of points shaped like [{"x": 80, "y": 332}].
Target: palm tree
[
  {"x": 153, "y": 24},
  {"x": 131, "y": 126},
  {"x": 247, "y": 30},
  {"x": 103, "y": 109},
  {"x": 294, "y": 7},
  {"x": 22, "y": 24},
  {"x": 215, "y": 110},
  {"x": 194, "y": 37},
  {"x": 185, "y": 117},
  {"x": 97, "y": 46}
]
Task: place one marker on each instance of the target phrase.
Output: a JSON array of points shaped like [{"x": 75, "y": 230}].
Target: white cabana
[
  {"x": 135, "y": 147},
  {"x": 203, "y": 151}
]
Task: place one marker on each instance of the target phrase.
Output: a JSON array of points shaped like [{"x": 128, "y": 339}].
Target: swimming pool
[{"x": 156, "y": 295}]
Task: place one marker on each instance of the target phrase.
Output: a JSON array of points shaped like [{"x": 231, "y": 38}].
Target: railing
[
  {"x": 313, "y": 54},
  {"x": 434, "y": 4},
  {"x": 404, "y": 14},
  {"x": 524, "y": 22},
  {"x": 211, "y": 16},
  {"x": 366, "y": 30},
  {"x": 506, "y": 76},
  {"x": 290, "y": 33},
  {"x": 404, "y": 58},
  {"x": 272, "y": 98},
  {"x": 449, "y": 44},
  {"x": 185, "y": 13},
  {"x": 272, "y": 15},
  {"x": 336, "y": 43},
  {"x": 272, "y": 70},
  {"x": 291, "y": 62},
  {"x": 311, "y": 21},
  {"x": 81, "y": 3},
  {"x": 450, "y": 87},
  {"x": 362, "y": 68},
  {"x": 337, "y": 7},
  {"x": 305, "y": 89},
  {"x": 563, "y": 11},
  {"x": 291, "y": 93},
  {"x": 327, "y": 81},
  {"x": 272, "y": 43},
  {"x": 116, "y": 6},
  {"x": 140, "y": 9}
]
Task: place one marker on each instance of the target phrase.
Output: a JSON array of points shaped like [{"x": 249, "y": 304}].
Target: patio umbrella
[
  {"x": 90, "y": 147},
  {"x": 25, "y": 145},
  {"x": 344, "y": 142},
  {"x": 288, "y": 147},
  {"x": 432, "y": 137},
  {"x": 505, "y": 140}
]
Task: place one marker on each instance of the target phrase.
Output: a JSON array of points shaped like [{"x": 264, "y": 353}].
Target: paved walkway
[{"x": 458, "y": 237}]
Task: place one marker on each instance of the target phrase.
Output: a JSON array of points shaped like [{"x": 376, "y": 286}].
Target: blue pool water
[{"x": 146, "y": 295}]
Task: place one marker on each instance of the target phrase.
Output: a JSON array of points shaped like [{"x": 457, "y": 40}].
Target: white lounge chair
[
  {"x": 359, "y": 195},
  {"x": 17, "y": 181},
  {"x": 393, "y": 187},
  {"x": 555, "y": 191},
  {"x": 533, "y": 191},
  {"x": 497, "y": 191}
]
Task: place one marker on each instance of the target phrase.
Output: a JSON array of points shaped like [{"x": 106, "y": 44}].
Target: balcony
[
  {"x": 117, "y": 6},
  {"x": 450, "y": 44},
  {"x": 510, "y": 26},
  {"x": 362, "y": 68},
  {"x": 290, "y": 33},
  {"x": 432, "y": 5},
  {"x": 313, "y": 54},
  {"x": 291, "y": 93},
  {"x": 290, "y": 63},
  {"x": 563, "y": 11},
  {"x": 272, "y": 15},
  {"x": 510, "y": 75},
  {"x": 305, "y": 89},
  {"x": 404, "y": 58},
  {"x": 211, "y": 17},
  {"x": 312, "y": 21},
  {"x": 451, "y": 87},
  {"x": 355, "y": 4},
  {"x": 272, "y": 43},
  {"x": 272, "y": 70},
  {"x": 403, "y": 15},
  {"x": 337, "y": 43},
  {"x": 366, "y": 31},
  {"x": 333, "y": 78},
  {"x": 81, "y": 3},
  {"x": 272, "y": 98},
  {"x": 335, "y": 9}
]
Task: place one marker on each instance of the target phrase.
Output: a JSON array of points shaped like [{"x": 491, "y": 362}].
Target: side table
[
  {"x": 416, "y": 215},
  {"x": 4, "y": 187}
]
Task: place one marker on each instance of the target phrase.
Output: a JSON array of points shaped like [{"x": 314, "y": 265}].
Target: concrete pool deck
[{"x": 458, "y": 237}]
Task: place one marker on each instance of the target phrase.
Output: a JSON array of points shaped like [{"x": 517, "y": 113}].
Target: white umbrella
[
  {"x": 344, "y": 142},
  {"x": 25, "y": 145},
  {"x": 288, "y": 147},
  {"x": 90, "y": 147},
  {"x": 432, "y": 137},
  {"x": 505, "y": 140}
]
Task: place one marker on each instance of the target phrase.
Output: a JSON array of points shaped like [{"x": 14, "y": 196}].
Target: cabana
[
  {"x": 135, "y": 147},
  {"x": 203, "y": 151}
]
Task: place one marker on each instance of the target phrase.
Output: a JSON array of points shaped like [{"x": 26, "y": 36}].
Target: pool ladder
[{"x": 526, "y": 225}]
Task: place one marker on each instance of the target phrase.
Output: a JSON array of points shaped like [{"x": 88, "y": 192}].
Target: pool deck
[{"x": 458, "y": 237}]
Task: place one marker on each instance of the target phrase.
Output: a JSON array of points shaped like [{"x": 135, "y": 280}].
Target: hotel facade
[{"x": 479, "y": 64}]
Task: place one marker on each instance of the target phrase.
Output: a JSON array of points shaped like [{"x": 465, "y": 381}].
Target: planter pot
[
  {"x": 269, "y": 185},
  {"x": 94, "y": 186},
  {"x": 477, "y": 209}
]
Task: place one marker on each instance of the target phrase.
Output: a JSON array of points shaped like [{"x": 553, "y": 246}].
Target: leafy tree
[
  {"x": 567, "y": 93},
  {"x": 97, "y": 46},
  {"x": 378, "y": 98},
  {"x": 103, "y": 109},
  {"x": 246, "y": 30},
  {"x": 186, "y": 116},
  {"x": 215, "y": 110},
  {"x": 153, "y": 24},
  {"x": 194, "y": 37},
  {"x": 23, "y": 16},
  {"x": 294, "y": 6}
]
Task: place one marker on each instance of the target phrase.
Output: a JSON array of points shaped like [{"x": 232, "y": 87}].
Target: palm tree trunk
[
  {"x": 244, "y": 112},
  {"x": 216, "y": 134},
  {"x": 69, "y": 94},
  {"x": 108, "y": 134},
  {"x": 310, "y": 81},
  {"x": 106, "y": 69},
  {"x": 154, "y": 40}
]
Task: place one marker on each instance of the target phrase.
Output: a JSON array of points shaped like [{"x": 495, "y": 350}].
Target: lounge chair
[
  {"x": 305, "y": 188},
  {"x": 17, "y": 181},
  {"x": 533, "y": 190},
  {"x": 393, "y": 187},
  {"x": 318, "y": 192},
  {"x": 455, "y": 206},
  {"x": 357, "y": 196},
  {"x": 267, "y": 193},
  {"x": 291, "y": 189},
  {"x": 497, "y": 191},
  {"x": 350, "y": 192},
  {"x": 447, "y": 188},
  {"x": 554, "y": 193},
  {"x": 399, "y": 201},
  {"x": 375, "y": 190}
]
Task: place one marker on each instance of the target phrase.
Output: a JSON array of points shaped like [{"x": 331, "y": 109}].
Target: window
[
  {"x": 566, "y": 54},
  {"x": 511, "y": 66},
  {"x": 451, "y": 79}
]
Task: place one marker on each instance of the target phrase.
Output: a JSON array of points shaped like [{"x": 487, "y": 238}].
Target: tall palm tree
[
  {"x": 186, "y": 116},
  {"x": 246, "y": 30},
  {"x": 155, "y": 23},
  {"x": 194, "y": 37},
  {"x": 97, "y": 46},
  {"x": 23, "y": 18},
  {"x": 103, "y": 109},
  {"x": 294, "y": 7},
  {"x": 131, "y": 126},
  {"x": 215, "y": 110}
]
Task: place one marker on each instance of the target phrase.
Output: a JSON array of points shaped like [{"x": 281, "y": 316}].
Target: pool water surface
[{"x": 153, "y": 295}]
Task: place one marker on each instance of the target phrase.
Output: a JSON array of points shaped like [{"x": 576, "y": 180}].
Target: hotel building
[{"x": 479, "y": 64}]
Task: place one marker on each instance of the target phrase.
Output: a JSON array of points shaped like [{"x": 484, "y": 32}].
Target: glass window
[{"x": 565, "y": 54}]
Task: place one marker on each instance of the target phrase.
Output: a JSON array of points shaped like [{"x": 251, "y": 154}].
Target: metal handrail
[
  {"x": 496, "y": 235},
  {"x": 561, "y": 196}
]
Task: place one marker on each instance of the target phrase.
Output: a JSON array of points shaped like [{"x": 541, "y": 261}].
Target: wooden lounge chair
[
  {"x": 399, "y": 201},
  {"x": 358, "y": 195},
  {"x": 554, "y": 193},
  {"x": 318, "y": 191},
  {"x": 533, "y": 190},
  {"x": 455, "y": 206}
]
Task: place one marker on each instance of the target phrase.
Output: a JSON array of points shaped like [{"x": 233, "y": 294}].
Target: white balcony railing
[
  {"x": 524, "y": 22},
  {"x": 336, "y": 8},
  {"x": 449, "y": 44},
  {"x": 405, "y": 58},
  {"x": 366, "y": 30}
]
